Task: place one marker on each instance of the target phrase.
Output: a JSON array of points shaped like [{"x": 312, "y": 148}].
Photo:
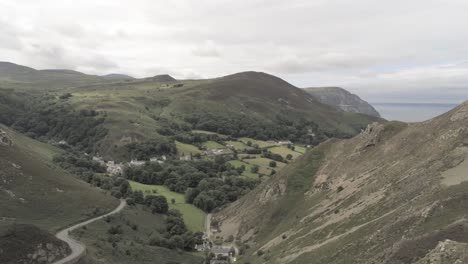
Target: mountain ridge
[
  {"x": 315, "y": 211},
  {"x": 342, "y": 99}
]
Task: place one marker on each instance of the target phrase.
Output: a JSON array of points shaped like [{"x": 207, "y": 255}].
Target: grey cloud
[
  {"x": 208, "y": 49},
  {"x": 369, "y": 46}
]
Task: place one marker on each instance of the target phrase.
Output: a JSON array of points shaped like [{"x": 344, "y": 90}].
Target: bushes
[
  {"x": 44, "y": 117},
  {"x": 149, "y": 149},
  {"x": 157, "y": 203}
]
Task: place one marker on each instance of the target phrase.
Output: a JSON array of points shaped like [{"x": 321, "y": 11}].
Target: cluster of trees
[
  {"x": 238, "y": 125},
  {"x": 212, "y": 193},
  {"x": 92, "y": 172},
  {"x": 44, "y": 117},
  {"x": 207, "y": 184},
  {"x": 148, "y": 149},
  {"x": 176, "y": 234}
]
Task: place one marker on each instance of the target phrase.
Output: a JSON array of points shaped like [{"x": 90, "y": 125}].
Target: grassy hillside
[
  {"x": 34, "y": 191},
  {"x": 242, "y": 105},
  {"x": 393, "y": 194},
  {"x": 134, "y": 243},
  {"x": 250, "y": 104}
]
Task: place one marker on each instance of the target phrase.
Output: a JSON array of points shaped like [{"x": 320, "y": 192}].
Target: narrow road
[{"x": 76, "y": 247}]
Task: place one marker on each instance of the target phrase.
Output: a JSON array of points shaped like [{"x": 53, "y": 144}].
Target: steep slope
[
  {"x": 38, "y": 199},
  {"x": 389, "y": 195},
  {"x": 34, "y": 191},
  {"x": 343, "y": 100}
]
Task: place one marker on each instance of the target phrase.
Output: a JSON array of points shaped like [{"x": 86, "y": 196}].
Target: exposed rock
[
  {"x": 372, "y": 135},
  {"x": 4, "y": 139},
  {"x": 343, "y": 100}
]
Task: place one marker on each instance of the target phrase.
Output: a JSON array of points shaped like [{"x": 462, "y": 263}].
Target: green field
[
  {"x": 187, "y": 149},
  {"x": 194, "y": 218},
  {"x": 260, "y": 143},
  {"x": 238, "y": 145},
  {"x": 247, "y": 172},
  {"x": 300, "y": 149},
  {"x": 264, "y": 162},
  {"x": 213, "y": 145},
  {"x": 284, "y": 151}
]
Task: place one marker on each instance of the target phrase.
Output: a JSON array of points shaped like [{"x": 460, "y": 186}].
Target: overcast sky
[{"x": 399, "y": 50}]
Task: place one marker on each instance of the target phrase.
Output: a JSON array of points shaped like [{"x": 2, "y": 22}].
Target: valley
[{"x": 244, "y": 168}]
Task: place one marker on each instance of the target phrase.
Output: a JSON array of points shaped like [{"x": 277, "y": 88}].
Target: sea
[{"x": 411, "y": 112}]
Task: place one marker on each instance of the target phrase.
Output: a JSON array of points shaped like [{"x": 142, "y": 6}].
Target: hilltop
[
  {"x": 248, "y": 104},
  {"x": 117, "y": 76},
  {"x": 395, "y": 193},
  {"x": 341, "y": 99}
]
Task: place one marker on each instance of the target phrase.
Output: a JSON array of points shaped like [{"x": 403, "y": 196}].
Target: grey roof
[{"x": 221, "y": 250}]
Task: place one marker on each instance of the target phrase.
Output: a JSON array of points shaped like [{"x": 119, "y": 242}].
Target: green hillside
[
  {"x": 375, "y": 198},
  {"x": 35, "y": 191}
]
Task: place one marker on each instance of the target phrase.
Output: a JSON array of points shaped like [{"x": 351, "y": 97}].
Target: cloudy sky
[{"x": 399, "y": 50}]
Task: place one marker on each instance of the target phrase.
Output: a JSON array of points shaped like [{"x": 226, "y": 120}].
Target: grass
[
  {"x": 264, "y": 162},
  {"x": 194, "y": 218},
  {"x": 213, "y": 145},
  {"x": 247, "y": 172},
  {"x": 284, "y": 151},
  {"x": 42, "y": 194},
  {"x": 33, "y": 147},
  {"x": 260, "y": 143},
  {"x": 238, "y": 145},
  {"x": 187, "y": 149},
  {"x": 300, "y": 149},
  {"x": 132, "y": 246}
]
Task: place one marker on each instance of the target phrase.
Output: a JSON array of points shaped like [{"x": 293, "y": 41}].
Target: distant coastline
[{"x": 411, "y": 112}]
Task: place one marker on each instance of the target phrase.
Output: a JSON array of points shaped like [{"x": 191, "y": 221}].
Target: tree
[
  {"x": 157, "y": 203},
  {"x": 272, "y": 164},
  {"x": 254, "y": 169}
]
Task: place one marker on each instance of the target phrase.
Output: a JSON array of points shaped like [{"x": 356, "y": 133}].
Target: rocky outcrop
[
  {"x": 47, "y": 253},
  {"x": 4, "y": 139},
  {"x": 342, "y": 100}
]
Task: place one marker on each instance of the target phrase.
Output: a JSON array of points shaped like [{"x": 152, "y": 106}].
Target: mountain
[
  {"x": 21, "y": 77},
  {"x": 162, "y": 78},
  {"x": 38, "y": 198},
  {"x": 395, "y": 193},
  {"x": 117, "y": 76},
  {"x": 248, "y": 104},
  {"x": 343, "y": 100}
]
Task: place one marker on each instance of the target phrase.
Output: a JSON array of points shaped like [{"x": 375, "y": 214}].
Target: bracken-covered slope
[
  {"x": 396, "y": 193},
  {"x": 343, "y": 100}
]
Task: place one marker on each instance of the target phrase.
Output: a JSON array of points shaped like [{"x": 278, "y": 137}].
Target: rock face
[
  {"x": 27, "y": 244},
  {"x": 4, "y": 139},
  {"x": 343, "y": 100}
]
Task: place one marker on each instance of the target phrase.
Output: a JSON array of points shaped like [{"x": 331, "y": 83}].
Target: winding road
[{"x": 77, "y": 248}]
